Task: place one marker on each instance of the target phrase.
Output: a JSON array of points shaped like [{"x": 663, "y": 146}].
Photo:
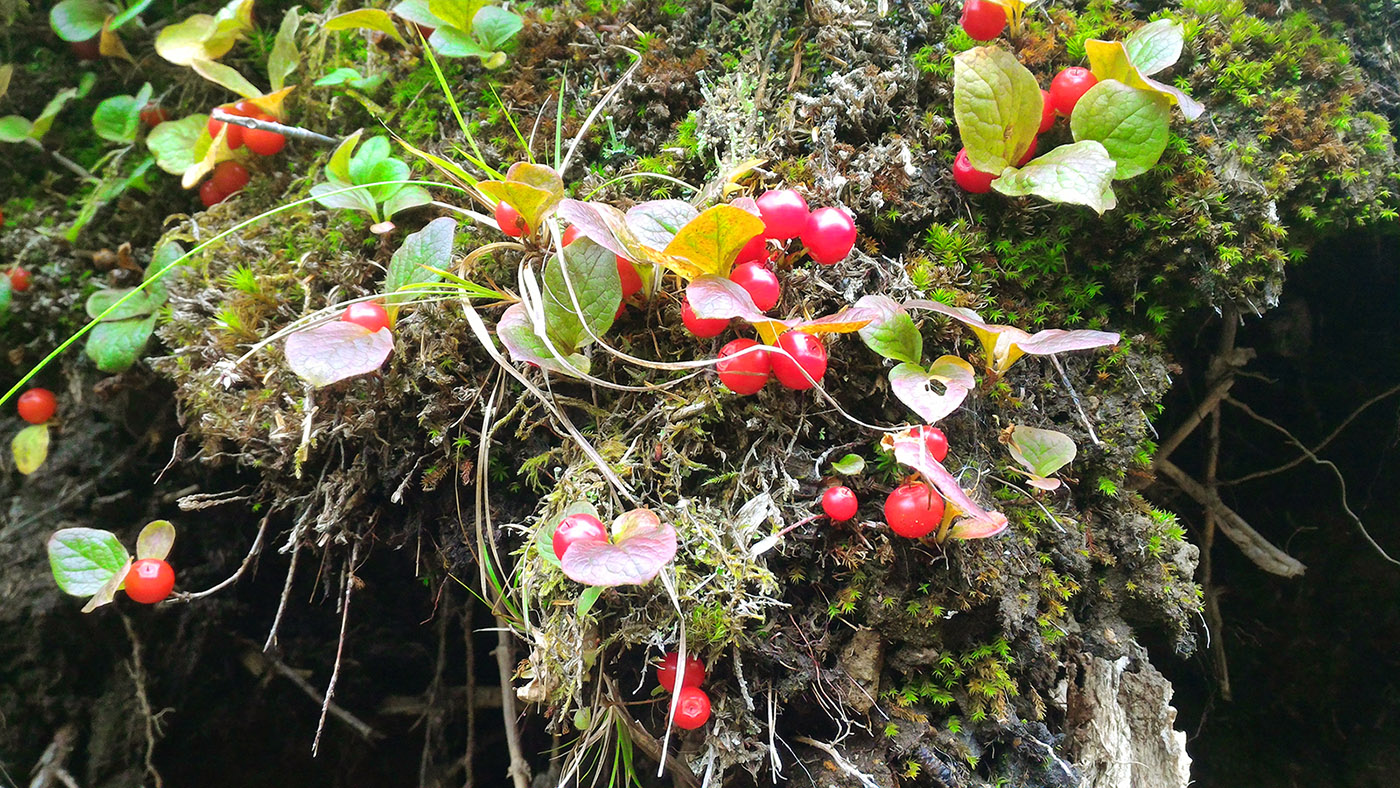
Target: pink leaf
[
  {"x": 602, "y": 224},
  {"x": 525, "y": 345},
  {"x": 1042, "y": 483},
  {"x": 335, "y": 351},
  {"x": 913, "y": 385},
  {"x": 641, "y": 547},
  {"x": 910, "y": 449},
  {"x": 1057, "y": 340},
  {"x": 1003, "y": 345}
]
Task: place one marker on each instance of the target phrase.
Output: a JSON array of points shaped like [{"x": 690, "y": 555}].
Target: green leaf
[
  {"x": 225, "y": 76},
  {"x": 118, "y": 117},
  {"x": 30, "y": 448},
  {"x": 518, "y": 335},
  {"x": 166, "y": 255},
  {"x": 592, "y": 272},
  {"x": 115, "y": 346},
  {"x": 139, "y": 305},
  {"x": 416, "y": 11},
  {"x": 656, "y": 222},
  {"x": 1040, "y": 452},
  {"x": 338, "y": 77},
  {"x": 131, "y": 12},
  {"x": 430, "y": 247},
  {"x": 387, "y": 172},
  {"x": 51, "y": 110},
  {"x": 1110, "y": 60},
  {"x": 173, "y": 143},
  {"x": 78, "y": 20},
  {"x": 362, "y": 165},
  {"x": 588, "y": 598},
  {"x": 1155, "y": 46},
  {"x": 1081, "y": 173},
  {"x": 997, "y": 104},
  {"x": 850, "y": 465},
  {"x": 494, "y": 26},
  {"x": 13, "y": 128},
  {"x": 1133, "y": 125},
  {"x": 4, "y": 299},
  {"x": 892, "y": 334},
  {"x": 456, "y": 13},
  {"x": 406, "y": 197},
  {"x": 155, "y": 540},
  {"x": 449, "y": 42},
  {"x": 84, "y": 559},
  {"x": 367, "y": 18},
  {"x": 356, "y": 200},
  {"x": 339, "y": 165},
  {"x": 285, "y": 57}
]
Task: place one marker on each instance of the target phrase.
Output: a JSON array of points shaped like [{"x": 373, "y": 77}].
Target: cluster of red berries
[
  {"x": 912, "y": 510},
  {"x": 20, "y": 279},
  {"x": 36, "y": 405},
  {"x": 234, "y": 176},
  {"x": 149, "y": 581},
  {"x": 746, "y": 371},
  {"x": 1066, "y": 89},
  {"x": 692, "y": 704}
]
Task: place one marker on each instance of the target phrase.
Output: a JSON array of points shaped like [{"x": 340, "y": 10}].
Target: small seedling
[
  {"x": 840, "y": 503},
  {"x": 93, "y": 563}
]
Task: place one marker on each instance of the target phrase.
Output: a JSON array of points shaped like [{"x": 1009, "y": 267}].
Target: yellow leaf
[
  {"x": 6, "y": 71},
  {"x": 207, "y": 153},
  {"x": 532, "y": 189},
  {"x": 1110, "y": 60},
  {"x": 31, "y": 448},
  {"x": 272, "y": 102},
  {"x": 110, "y": 44},
  {"x": 183, "y": 42},
  {"x": 710, "y": 242},
  {"x": 370, "y": 18},
  {"x": 224, "y": 76}
]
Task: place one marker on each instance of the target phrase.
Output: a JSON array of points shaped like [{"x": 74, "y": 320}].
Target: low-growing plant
[
  {"x": 121, "y": 334},
  {"x": 379, "y": 173},
  {"x": 453, "y": 28}
]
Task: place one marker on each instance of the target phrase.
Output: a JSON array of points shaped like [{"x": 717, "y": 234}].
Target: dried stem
[
  {"x": 340, "y": 646},
  {"x": 1258, "y": 549},
  {"x": 247, "y": 561},
  {"x": 294, "y": 132}
]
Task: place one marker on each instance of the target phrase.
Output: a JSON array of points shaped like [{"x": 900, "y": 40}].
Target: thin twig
[
  {"x": 64, "y": 161},
  {"x": 1214, "y": 621},
  {"x": 243, "y": 567},
  {"x": 340, "y": 646},
  {"x": 519, "y": 767},
  {"x": 138, "y": 674},
  {"x": 1255, "y": 547},
  {"x": 840, "y": 760},
  {"x": 1341, "y": 481},
  {"x": 339, "y": 712},
  {"x": 1074, "y": 395},
  {"x": 295, "y": 132},
  {"x": 1204, "y": 409}
]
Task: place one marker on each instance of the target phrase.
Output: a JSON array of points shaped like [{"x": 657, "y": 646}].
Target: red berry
[
  {"x": 703, "y": 327},
  {"x": 1030, "y": 152},
  {"x": 19, "y": 279},
  {"x": 631, "y": 280},
  {"x": 575, "y": 529},
  {"x": 840, "y": 503},
  {"x": 36, "y": 406},
  {"x": 510, "y": 220},
  {"x": 264, "y": 143},
  {"x": 746, "y": 373},
  {"x": 152, "y": 115},
  {"x": 247, "y": 109},
  {"x": 366, "y": 314},
  {"x": 982, "y": 19},
  {"x": 234, "y": 138},
  {"x": 1068, "y": 86},
  {"x": 692, "y": 708},
  {"x": 229, "y": 177},
  {"x": 784, "y": 213},
  {"x": 971, "y": 180},
  {"x": 760, "y": 282},
  {"x": 149, "y": 581},
  {"x": 755, "y": 251},
  {"x": 666, "y": 671},
  {"x": 1047, "y": 112},
  {"x": 829, "y": 236},
  {"x": 87, "y": 50},
  {"x": 808, "y": 356},
  {"x": 934, "y": 440},
  {"x": 210, "y": 195},
  {"x": 913, "y": 510},
  {"x": 571, "y": 234}
]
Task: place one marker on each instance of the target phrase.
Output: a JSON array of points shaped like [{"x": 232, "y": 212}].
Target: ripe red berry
[
  {"x": 982, "y": 19},
  {"x": 234, "y": 138},
  {"x": 1068, "y": 86},
  {"x": 808, "y": 356},
  {"x": 229, "y": 177},
  {"x": 666, "y": 671},
  {"x": 746, "y": 373},
  {"x": 264, "y": 143},
  {"x": 577, "y": 528},
  {"x": 87, "y": 50},
  {"x": 934, "y": 440},
  {"x": 510, "y": 220},
  {"x": 571, "y": 234},
  {"x": 913, "y": 510},
  {"x": 19, "y": 279},
  {"x": 760, "y": 282},
  {"x": 840, "y": 503},
  {"x": 755, "y": 251},
  {"x": 366, "y": 314},
  {"x": 703, "y": 327},
  {"x": 1030, "y": 152},
  {"x": 149, "y": 581},
  {"x": 36, "y": 406},
  {"x": 152, "y": 115},
  {"x": 1047, "y": 112},
  {"x": 971, "y": 180},
  {"x": 631, "y": 280},
  {"x": 210, "y": 195},
  {"x": 829, "y": 236},
  {"x": 784, "y": 213},
  {"x": 692, "y": 708}
]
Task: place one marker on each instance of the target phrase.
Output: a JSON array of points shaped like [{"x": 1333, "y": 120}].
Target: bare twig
[
  {"x": 1204, "y": 409},
  {"x": 262, "y": 661},
  {"x": 1258, "y": 549},
  {"x": 519, "y": 767},
  {"x": 243, "y": 567},
  {"x": 840, "y": 760},
  {"x": 1074, "y": 395},
  {"x": 1214, "y": 621},
  {"x": 64, "y": 161},
  {"x": 340, "y": 646},
  {"x": 282, "y": 602},
  {"x": 294, "y": 132},
  {"x": 138, "y": 679},
  {"x": 1341, "y": 481}
]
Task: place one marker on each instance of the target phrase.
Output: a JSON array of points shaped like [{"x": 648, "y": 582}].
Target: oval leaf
[
  {"x": 430, "y": 247},
  {"x": 338, "y": 350},
  {"x": 1042, "y": 452},
  {"x": 1155, "y": 46},
  {"x": 892, "y": 334},
  {"x": 586, "y": 301},
  {"x": 1081, "y": 173},
  {"x": 642, "y": 546},
  {"x": 30, "y": 448},
  {"x": 1133, "y": 125},
  {"x": 173, "y": 143},
  {"x": 117, "y": 345},
  {"x": 850, "y": 465},
  {"x": 997, "y": 104},
  {"x": 711, "y": 241},
  {"x": 368, "y": 18},
  {"x": 85, "y": 559},
  {"x": 1111, "y": 60},
  {"x": 656, "y": 223},
  {"x": 155, "y": 540},
  {"x": 519, "y": 337},
  {"x": 138, "y": 305},
  {"x": 78, "y": 20}
]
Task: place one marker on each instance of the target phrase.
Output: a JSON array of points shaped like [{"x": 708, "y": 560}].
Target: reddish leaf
[
  {"x": 910, "y": 449},
  {"x": 913, "y": 385},
  {"x": 641, "y": 547},
  {"x": 335, "y": 351}
]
